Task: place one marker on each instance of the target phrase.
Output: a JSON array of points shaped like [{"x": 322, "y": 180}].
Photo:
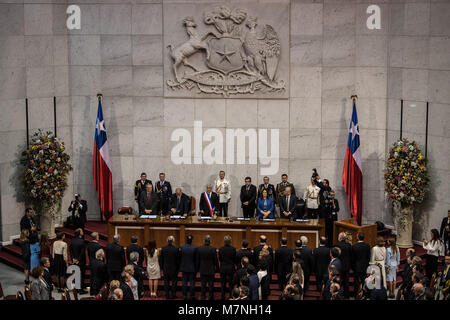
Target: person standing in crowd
[
  {"x": 241, "y": 271},
  {"x": 330, "y": 209},
  {"x": 445, "y": 231},
  {"x": 164, "y": 191},
  {"x": 128, "y": 285},
  {"x": 335, "y": 261},
  {"x": 139, "y": 273},
  {"x": 78, "y": 254},
  {"x": 139, "y": 186},
  {"x": 169, "y": 262},
  {"x": 256, "y": 253},
  {"x": 433, "y": 247},
  {"x": 188, "y": 253},
  {"x": 244, "y": 252},
  {"x": 153, "y": 269},
  {"x": 134, "y": 247},
  {"x": 264, "y": 282},
  {"x": 222, "y": 187},
  {"x": 360, "y": 261},
  {"x": 392, "y": 263},
  {"x": 25, "y": 249},
  {"x": 35, "y": 251},
  {"x": 283, "y": 263},
  {"x": 47, "y": 276},
  {"x": 179, "y": 203},
  {"x": 253, "y": 283},
  {"x": 288, "y": 204},
  {"x": 207, "y": 264},
  {"x": 149, "y": 201},
  {"x": 39, "y": 288},
  {"x": 227, "y": 259},
  {"x": 266, "y": 207},
  {"x": 78, "y": 208},
  {"x": 45, "y": 245},
  {"x": 281, "y": 187},
  {"x": 311, "y": 196},
  {"x": 115, "y": 259},
  {"x": 322, "y": 259},
  {"x": 324, "y": 193},
  {"x": 248, "y": 198},
  {"x": 60, "y": 261},
  {"x": 378, "y": 256},
  {"x": 99, "y": 272},
  {"x": 346, "y": 258},
  {"x": 27, "y": 222},
  {"x": 209, "y": 202},
  {"x": 268, "y": 187},
  {"x": 93, "y": 246},
  {"x": 308, "y": 259}
]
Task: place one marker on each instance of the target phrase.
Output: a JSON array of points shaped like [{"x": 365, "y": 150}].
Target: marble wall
[{"x": 120, "y": 51}]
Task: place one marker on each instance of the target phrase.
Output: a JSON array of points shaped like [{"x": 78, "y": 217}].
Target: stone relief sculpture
[{"x": 237, "y": 60}]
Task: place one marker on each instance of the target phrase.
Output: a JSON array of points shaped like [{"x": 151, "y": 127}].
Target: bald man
[{"x": 179, "y": 203}]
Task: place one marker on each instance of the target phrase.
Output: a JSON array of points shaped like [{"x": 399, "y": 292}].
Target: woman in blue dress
[
  {"x": 35, "y": 251},
  {"x": 392, "y": 263},
  {"x": 265, "y": 207}
]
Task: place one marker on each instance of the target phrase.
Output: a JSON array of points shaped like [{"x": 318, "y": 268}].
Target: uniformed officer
[
  {"x": 164, "y": 191},
  {"x": 222, "y": 187},
  {"x": 139, "y": 186},
  {"x": 311, "y": 197},
  {"x": 270, "y": 188},
  {"x": 282, "y": 186}
]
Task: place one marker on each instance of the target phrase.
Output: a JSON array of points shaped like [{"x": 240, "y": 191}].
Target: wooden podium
[{"x": 349, "y": 226}]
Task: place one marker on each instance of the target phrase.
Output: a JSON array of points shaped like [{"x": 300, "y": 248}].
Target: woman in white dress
[
  {"x": 378, "y": 256},
  {"x": 153, "y": 271}
]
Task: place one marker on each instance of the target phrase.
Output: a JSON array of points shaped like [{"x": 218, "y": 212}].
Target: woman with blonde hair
[
  {"x": 297, "y": 272},
  {"x": 392, "y": 263},
  {"x": 378, "y": 257}
]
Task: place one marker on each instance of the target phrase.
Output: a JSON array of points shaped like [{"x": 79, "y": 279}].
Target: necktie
[
  {"x": 148, "y": 195},
  {"x": 248, "y": 188},
  {"x": 178, "y": 203}
]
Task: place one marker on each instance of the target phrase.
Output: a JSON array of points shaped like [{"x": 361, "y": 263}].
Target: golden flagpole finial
[{"x": 99, "y": 96}]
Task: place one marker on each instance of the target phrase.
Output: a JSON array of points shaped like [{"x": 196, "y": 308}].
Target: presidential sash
[{"x": 209, "y": 203}]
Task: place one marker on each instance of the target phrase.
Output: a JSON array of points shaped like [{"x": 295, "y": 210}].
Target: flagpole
[
  {"x": 100, "y": 97},
  {"x": 354, "y": 97}
]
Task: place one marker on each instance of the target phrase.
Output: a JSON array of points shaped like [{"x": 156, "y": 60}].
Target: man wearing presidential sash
[
  {"x": 164, "y": 191},
  {"x": 208, "y": 202},
  {"x": 222, "y": 187}
]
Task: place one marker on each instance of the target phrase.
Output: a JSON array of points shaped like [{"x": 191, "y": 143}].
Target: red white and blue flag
[
  {"x": 102, "y": 166},
  {"x": 352, "y": 173}
]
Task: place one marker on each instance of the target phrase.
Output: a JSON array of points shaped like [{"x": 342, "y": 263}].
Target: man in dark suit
[
  {"x": 207, "y": 264},
  {"x": 204, "y": 208},
  {"x": 27, "y": 222},
  {"x": 335, "y": 252},
  {"x": 93, "y": 246},
  {"x": 241, "y": 271},
  {"x": 244, "y": 252},
  {"x": 445, "y": 231},
  {"x": 179, "y": 203},
  {"x": 139, "y": 273},
  {"x": 307, "y": 256},
  {"x": 78, "y": 208},
  {"x": 149, "y": 201},
  {"x": 288, "y": 205},
  {"x": 134, "y": 247},
  {"x": 257, "y": 250},
  {"x": 322, "y": 259},
  {"x": 99, "y": 272},
  {"x": 346, "y": 258},
  {"x": 77, "y": 250},
  {"x": 164, "y": 191},
  {"x": 360, "y": 260},
  {"x": 45, "y": 263},
  {"x": 169, "y": 261},
  {"x": 139, "y": 186},
  {"x": 188, "y": 253},
  {"x": 115, "y": 258},
  {"x": 248, "y": 198},
  {"x": 227, "y": 259},
  {"x": 283, "y": 263},
  {"x": 281, "y": 188}
]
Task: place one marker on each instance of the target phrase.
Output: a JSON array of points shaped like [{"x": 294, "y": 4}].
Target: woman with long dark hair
[
  {"x": 25, "y": 246},
  {"x": 59, "y": 254},
  {"x": 153, "y": 270},
  {"x": 432, "y": 255}
]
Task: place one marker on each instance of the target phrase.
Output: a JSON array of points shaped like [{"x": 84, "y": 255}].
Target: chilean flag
[
  {"x": 352, "y": 173},
  {"x": 102, "y": 166}
]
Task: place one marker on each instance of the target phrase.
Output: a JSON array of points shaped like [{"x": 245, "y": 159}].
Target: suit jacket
[
  {"x": 256, "y": 252},
  {"x": 183, "y": 206},
  {"x": 39, "y": 291},
  {"x": 135, "y": 248},
  {"x": 307, "y": 256},
  {"x": 115, "y": 257},
  {"x": 99, "y": 274},
  {"x": 78, "y": 250},
  {"x": 139, "y": 187},
  {"x": 253, "y": 285},
  {"x": 338, "y": 264},
  {"x": 203, "y": 205},
  {"x": 280, "y": 190},
  {"x": 322, "y": 259},
  {"x": 81, "y": 211},
  {"x": 25, "y": 223},
  {"x": 227, "y": 258},
  {"x": 48, "y": 279},
  {"x": 249, "y": 196},
  {"x": 346, "y": 255},
  {"x": 270, "y": 191},
  {"x": 92, "y": 248},
  {"x": 188, "y": 254},
  {"x": 243, "y": 253},
  {"x": 139, "y": 275},
  {"x": 238, "y": 276},
  {"x": 288, "y": 207},
  {"x": 207, "y": 262},
  {"x": 283, "y": 260},
  {"x": 444, "y": 234},
  {"x": 169, "y": 259},
  {"x": 360, "y": 257},
  {"x": 164, "y": 192},
  {"x": 127, "y": 292},
  {"x": 149, "y": 204}
]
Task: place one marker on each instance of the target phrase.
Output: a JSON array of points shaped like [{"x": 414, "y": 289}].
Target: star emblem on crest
[{"x": 225, "y": 55}]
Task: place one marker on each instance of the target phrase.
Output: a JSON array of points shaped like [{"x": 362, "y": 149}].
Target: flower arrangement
[{"x": 46, "y": 169}]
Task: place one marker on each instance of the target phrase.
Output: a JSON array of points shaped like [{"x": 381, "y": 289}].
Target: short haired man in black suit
[
  {"x": 140, "y": 186},
  {"x": 78, "y": 208},
  {"x": 227, "y": 259},
  {"x": 346, "y": 258},
  {"x": 47, "y": 276},
  {"x": 322, "y": 259},
  {"x": 204, "y": 208},
  {"x": 149, "y": 201},
  {"x": 134, "y": 247},
  {"x": 169, "y": 261},
  {"x": 248, "y": 198},
  {"x": 257, "y": 250},
  {"x": 307, "y": 256},
  {"x": 283, "y": 262},
  {"x": 179, "y": 203},
  {"x": 78, "y": 254},
  {"x": 93, "y": 246},
  {"x": 27, "y": 222},
  {"x": 99, "y": 273},
  {"x": 241, "y": 271},
  {"x": 139, "y": 273},
  {"x": 207, "y": 264},
  {"x": 360, "y": 260},
  {"x": 188, "y": 253},
  {"x": 335, "y": 252},
  {"x": 115, "y": 259},
  {"x": 288, "y": 204},
  {"x": 244, "y": 252}
]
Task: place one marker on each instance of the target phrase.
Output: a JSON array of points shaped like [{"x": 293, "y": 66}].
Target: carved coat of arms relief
[{"x": 240, "y": 56}]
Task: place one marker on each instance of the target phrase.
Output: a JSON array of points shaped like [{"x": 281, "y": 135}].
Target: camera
[{"x": 315, "y": 174}]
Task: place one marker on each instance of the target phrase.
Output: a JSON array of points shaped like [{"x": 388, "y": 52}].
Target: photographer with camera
[
  {"x": 311, "y": 197},
  {"x": 78, "y": 207}
]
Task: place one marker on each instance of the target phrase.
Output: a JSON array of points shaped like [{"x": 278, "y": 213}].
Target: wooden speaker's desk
[
  {"x": 352, "y": 229},
  {"x": 160, "y": 228}
]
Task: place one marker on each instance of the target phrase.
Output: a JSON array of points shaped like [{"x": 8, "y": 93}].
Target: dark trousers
[
  {"x": 359, "y": 278},
  {"x": 170, "y": 280},
  {"x": 207, "y": 280},
  {"x": 226, "y": 277},
  {"x": 164, "y": 206},
  {"x": 282, "y": 280},
  {"x": 188, "y": 277},
  {"x": 312, "y": 213},
  {"x": 82, "y": 275},
  {"x": 431, "y": 265},
  {"x": 320, "y": 279},
  {"x": 329, "y": 231},
  {"x": 114, "y": 275},
  {"x": 249, "y": 212},
  {"x": 344, "y": 277},
  {"x": 223, "y": 209},
  {"x": 306, "y": 282}
]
